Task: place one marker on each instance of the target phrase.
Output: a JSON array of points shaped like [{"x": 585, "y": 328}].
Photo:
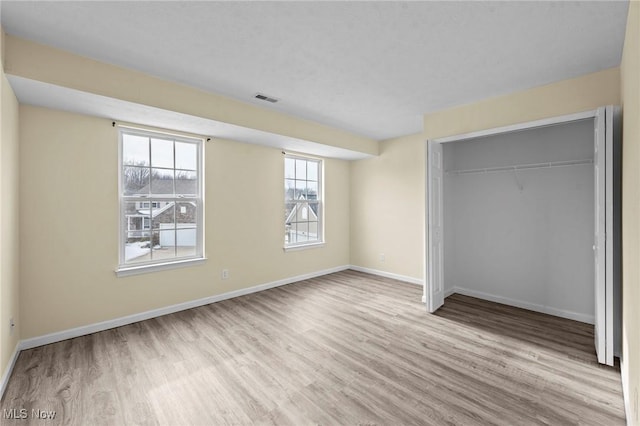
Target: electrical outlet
[
  {"x": 12, "y": 326},
  {"x": 382, "y": 257},
  {"x": 225, "y": 274}
]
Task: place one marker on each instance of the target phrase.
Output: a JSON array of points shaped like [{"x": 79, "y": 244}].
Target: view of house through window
[
  {"x": 303, "y": 201},
  {"x": 160, "y": 198}
]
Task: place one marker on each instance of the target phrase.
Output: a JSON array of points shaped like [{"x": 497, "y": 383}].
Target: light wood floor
[{"x": 347, "y": 348}]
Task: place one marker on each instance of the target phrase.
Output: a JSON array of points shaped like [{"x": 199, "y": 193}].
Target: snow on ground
[{"x": 137, "y": 249}]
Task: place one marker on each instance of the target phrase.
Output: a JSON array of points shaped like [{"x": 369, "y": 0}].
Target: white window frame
[
  {"x": 125, "y": 269},
  {"x": 320, "y": 242}
]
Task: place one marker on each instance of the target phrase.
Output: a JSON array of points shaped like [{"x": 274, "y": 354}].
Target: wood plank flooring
[{"x": 346, "y": 348}]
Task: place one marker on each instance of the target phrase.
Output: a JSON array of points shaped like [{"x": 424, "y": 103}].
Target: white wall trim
[
  {"x": 7, "y": 372},
  {"x": 576, "y": 316},
  {"x": 519, "y": 126},
  {"x": 319, "y": 244},
  {"x": 407, "y": 279},
  {"x": 146, "y": 269},
  {"x": 130, "y": 319}
]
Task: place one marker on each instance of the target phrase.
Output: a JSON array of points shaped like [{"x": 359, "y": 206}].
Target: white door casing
[
  {"x": 609, "y": 240},
  {"x": 599, "y": 251}
]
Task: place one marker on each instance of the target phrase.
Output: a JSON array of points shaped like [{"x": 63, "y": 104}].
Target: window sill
[
  {"x": 304, "y": 246},
  {"x": 125, "y": 271}
]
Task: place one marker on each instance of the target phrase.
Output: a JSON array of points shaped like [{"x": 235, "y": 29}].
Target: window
[
  {"x": 161, "y": 205},
  {"x": 145, "y": 205},
  {"x": 303, "y": 201}
]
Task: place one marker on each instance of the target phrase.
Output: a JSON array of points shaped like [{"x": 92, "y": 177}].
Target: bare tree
[{"x": 136, "y": 177}]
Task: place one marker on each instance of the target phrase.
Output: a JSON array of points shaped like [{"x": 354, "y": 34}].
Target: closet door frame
[{"x": 434, "y": 277}]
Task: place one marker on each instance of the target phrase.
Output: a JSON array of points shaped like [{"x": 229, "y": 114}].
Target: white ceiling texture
[{"x": 372, "y": 68}]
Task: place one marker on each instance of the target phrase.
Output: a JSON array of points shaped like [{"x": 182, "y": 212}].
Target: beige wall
[
  {"x": 387, "y": 208},
  {"x": 69, "y": 223},
  {"x": 9, "y": 241},
  {"x": 49, "y": 65},
  {"x": 560, "y": 98},
  {"x": 630, "y": 92}
]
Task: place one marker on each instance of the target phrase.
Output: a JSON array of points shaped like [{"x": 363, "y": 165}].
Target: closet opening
[{"x": 528, "y": 216}]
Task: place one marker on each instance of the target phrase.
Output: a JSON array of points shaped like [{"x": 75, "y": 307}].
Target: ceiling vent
[{"x": 265, "y": 98}]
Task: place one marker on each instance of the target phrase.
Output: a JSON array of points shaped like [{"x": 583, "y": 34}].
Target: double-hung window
[
  {"x": 161, "y": 202},
  {"x": 303, "y": 215}
]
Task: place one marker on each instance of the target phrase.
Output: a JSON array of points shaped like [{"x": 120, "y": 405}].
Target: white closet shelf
[{"x": 518, "y": 167}]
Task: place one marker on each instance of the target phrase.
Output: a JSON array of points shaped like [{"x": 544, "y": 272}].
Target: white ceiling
[{"x": 373, "y": 68}]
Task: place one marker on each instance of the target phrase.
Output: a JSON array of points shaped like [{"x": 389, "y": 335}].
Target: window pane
[
  {"x": 313, "y": 212},
  {"x": 186, "y": 182},
  {"x": 301, "y": 190},
  {"x": 289, "y": 189},
  {"x": 313, "y": 231},
  {"x": 186, "y": 244},
  {"x": 136, "y": 236},
  {"x": 186, "y": 156},
  {"x": 302, "y": 231},
  {"x": 312, "y": 190},
  {"x": 135, "y": 150},
  {"x": 186, "y": 215},
  {"x": 135, "y": 180},
  {"x": 290, "y": 233},
  {"x": 137, "y": 249},
  {"x": 164, "y": 216},
  {"x": 288, "y": 208},
  {"x": 312, "y": 170},
  {"x": 161, "y": 153},
  {"x": 289, "y": 168},
  {"x": 300, "y": 212},
  {"x": 164, "y": 244},
  {"x": 161, "y": 181},
  {"x": 301, "y": 169}
]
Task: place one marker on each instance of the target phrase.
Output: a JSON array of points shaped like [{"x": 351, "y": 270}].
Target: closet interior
[{"x": 519, "y": 218}]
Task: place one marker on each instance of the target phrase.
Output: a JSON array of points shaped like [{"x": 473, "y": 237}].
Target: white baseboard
[
  {"x": 411, "y": 280},
  {"x": 130, "y": 319},
  {"x": 9, "y": 369},
  {"x": 576, "y": 316}
]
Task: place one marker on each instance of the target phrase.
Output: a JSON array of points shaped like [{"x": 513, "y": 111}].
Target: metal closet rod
[{"x": 516, "y": 167}]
